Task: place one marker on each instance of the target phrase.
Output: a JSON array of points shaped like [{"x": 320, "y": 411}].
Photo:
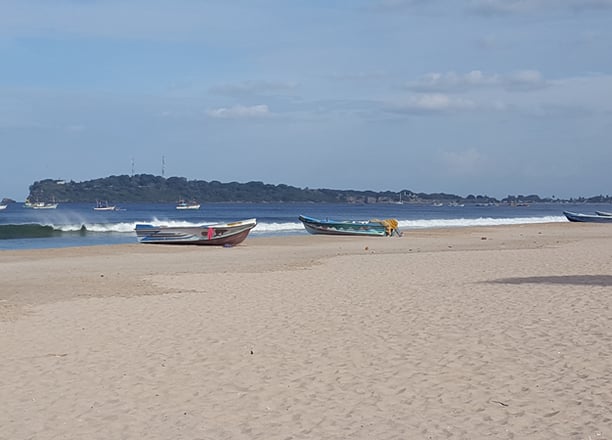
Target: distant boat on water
[
  {"x": 104, "y": 206},
  {"x": 183, "y": 204},
  {"x": 45, "y": 205},
  {"x": 40, "y": 205}
]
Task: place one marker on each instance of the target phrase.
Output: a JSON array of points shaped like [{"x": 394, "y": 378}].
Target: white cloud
[
  {"x": 431, "y": 103},
  {"x": 464, "y": 163},
  {"x": 240, "y": 112},
  {"x": 254, "y": 88},
  {"x": 453, "y": 82},
  {"x": 524, "y": 80},
  {"x": 359, "y": 76}
]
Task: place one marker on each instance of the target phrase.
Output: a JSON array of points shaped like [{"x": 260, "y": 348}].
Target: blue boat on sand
[
  {"x": 587, "y": 218},
  {"x": 373, "y": 227}
]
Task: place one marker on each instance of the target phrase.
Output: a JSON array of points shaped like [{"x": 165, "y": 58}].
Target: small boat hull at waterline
[
  {"x": 604, "y": 213},
  {"x": 104, "y": 206},
  {"x": 184, "y": 205},
  {"x": 587, "y": 218},
  {"x": 224, "y": 234}
]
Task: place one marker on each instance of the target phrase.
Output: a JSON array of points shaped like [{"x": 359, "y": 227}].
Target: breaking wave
[{"x": 36, "y": 230}]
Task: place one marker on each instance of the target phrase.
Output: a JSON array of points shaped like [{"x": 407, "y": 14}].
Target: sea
[{"x": 78, "y": 224}]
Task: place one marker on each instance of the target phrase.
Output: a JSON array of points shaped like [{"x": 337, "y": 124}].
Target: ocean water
[{"x": 77, "y": 224}]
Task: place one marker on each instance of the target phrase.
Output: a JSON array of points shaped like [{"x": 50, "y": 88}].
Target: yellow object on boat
[{"x": 391, "y": 225}]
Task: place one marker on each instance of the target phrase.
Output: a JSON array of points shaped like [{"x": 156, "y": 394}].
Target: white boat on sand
[{"x": 222, "y": 234}]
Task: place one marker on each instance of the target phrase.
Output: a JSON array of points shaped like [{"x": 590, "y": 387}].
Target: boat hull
[
  {"x": 40, "y": 205},
  {"x": 344, "y": 227},
  {"x": 104, "y": 206},
  {"x": 45, "y": 206},
  {"x": 587, "y": 218},
  {"x": 227, "y": 234},
  {"x": 184, "y": 207}
]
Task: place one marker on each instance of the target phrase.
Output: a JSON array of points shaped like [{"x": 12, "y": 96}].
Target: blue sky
[{"x": 492, "y": 97}]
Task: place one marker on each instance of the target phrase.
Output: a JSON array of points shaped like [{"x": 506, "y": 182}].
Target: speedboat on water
[{"x": 223, "y": 234}]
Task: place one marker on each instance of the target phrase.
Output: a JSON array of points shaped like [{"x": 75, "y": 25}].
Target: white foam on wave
[
  {"x": 278, "y": 227},
  {"x": 482, "y": 221},
  {"x": 97, "y": 227},
  {"x": 292, "y": 227},
  {"x": 123, "y": 227}
]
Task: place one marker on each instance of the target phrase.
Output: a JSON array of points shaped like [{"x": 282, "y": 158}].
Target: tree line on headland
[{"x": 157, "y": 189}]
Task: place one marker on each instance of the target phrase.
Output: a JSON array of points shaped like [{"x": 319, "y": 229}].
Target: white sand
[{"x": 499, "y": 332}]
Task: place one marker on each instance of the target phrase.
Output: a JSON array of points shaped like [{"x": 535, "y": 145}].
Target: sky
[{"x": 482, "y": 97}]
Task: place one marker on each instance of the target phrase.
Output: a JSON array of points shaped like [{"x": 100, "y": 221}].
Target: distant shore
[
  {"x": 497, "y": 332},
  {"x": 147, "y": 188}
]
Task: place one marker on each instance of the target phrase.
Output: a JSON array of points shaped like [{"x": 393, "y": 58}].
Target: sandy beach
[{"x": 498, "y": 332}]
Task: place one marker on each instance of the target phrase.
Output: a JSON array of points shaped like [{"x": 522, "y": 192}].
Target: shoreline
[
  {"x": 498, "y": 331},
  {"x": 82, "y": 227},
  {"x": 46, "y": 268}
]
